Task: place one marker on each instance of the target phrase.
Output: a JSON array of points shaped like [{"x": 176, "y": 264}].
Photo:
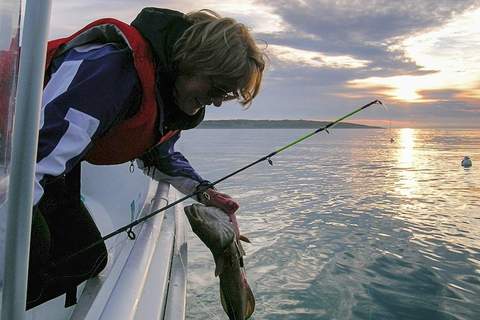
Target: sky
[{"x": 327, "y": 58}]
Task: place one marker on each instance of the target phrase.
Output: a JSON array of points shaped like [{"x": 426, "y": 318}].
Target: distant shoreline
[{"x": 276, "y": 124}]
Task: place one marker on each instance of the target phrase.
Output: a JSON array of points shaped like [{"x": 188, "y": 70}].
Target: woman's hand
[{"x": 212, "y": 197}]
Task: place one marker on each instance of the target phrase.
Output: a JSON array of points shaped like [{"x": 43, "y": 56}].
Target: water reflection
[
  {"x": 407, "y": 143},
  {"x": 357, "y": 228},
  {"x": 406, "y": 157}
]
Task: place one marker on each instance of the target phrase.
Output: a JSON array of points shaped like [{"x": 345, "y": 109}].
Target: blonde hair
[{"x": 223, "y": 50}]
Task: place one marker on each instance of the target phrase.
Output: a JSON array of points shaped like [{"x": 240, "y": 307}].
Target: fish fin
[
  {"x": 227, "y": 306},
  {"x": 250, "y": 307},
  {"x": 240, "y": 250},
  {"x": 245, "y": 239},
  {"x": 219, "y": 265},
  {"x": 223, "y": 301}
]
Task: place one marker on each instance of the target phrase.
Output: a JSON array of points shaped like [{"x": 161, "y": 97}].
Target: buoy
[{"x": 466, "y": 162}]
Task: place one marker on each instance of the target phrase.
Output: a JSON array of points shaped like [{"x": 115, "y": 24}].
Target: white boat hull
[{"x": 135, "y": 282}]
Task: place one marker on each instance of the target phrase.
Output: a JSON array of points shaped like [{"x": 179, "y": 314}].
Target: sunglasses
[{"x": 218, "y": 92}]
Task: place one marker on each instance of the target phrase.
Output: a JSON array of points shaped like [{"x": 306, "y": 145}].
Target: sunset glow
[{"x": 449, "y": 53}]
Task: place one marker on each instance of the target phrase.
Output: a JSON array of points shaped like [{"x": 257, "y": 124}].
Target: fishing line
[
  {"x": 203, "y": 188},
  {"x": 392, "y": 140},
  {"x": 390, "y": 131}
]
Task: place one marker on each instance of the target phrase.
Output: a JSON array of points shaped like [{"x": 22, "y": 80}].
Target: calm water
[{"x": 347, "y": 225}]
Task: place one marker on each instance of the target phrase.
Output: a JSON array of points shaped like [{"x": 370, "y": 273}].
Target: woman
[{"x": 115, "y": 93}]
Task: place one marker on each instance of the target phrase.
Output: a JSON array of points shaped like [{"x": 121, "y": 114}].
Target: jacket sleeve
[
  {"x": 163, "y": 163},
  {"x": 81, "y": 101}
]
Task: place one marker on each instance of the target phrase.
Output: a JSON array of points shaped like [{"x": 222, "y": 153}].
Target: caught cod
[{"x": 218, "y": 232}]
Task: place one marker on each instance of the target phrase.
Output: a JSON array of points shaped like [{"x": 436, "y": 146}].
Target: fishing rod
[{"x": 202, "y": 188}]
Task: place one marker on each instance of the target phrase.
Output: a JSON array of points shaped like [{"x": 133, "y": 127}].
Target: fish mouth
[{"x": 190, "y": 210}]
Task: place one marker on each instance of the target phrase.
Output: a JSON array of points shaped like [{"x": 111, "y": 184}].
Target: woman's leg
[
  {"x": 40, "y": 243},
  {"x": 71, "y": 228}
]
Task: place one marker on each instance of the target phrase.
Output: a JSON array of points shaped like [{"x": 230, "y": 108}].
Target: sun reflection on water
[{"x": 407, "y": 144}]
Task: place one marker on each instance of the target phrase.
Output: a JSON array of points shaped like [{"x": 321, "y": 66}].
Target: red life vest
[{"x": 130, "y": 138}]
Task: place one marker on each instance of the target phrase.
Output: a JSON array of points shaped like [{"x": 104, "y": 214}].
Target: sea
[{"x": 346, "y": 225}]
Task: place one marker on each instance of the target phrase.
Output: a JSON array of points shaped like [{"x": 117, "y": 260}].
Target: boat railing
[{"x": 148, "y": 278}]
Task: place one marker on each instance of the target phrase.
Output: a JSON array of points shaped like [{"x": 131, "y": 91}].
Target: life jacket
[{"x": 131, "y": 137}]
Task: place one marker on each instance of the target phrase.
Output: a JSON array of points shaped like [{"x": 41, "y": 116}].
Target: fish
[
  {"x": 236, "y": 296},
  {"x": 216, "y": 230}
]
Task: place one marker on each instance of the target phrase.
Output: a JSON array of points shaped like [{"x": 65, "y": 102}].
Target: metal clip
[
  {"x": 206, "y": 195},
  {"x": 131, "y": 235},
  {"x": 131, "y": 168}
]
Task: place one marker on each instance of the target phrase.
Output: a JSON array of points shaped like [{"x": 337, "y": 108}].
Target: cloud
[
  {"x": 451, "y": 49},
  {"x": 314, "y": 59},
  {"x": 366, "y": 30},
  {"x": 69, "y": 15},
  {"x": 362, "y": 21},
  {"x": 328, "y": 57}
]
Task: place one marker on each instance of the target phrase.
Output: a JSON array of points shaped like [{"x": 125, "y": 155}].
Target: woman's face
[{"x": 195, "y": 92}]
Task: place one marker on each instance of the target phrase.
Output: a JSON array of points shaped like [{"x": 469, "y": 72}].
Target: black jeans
[{"x": 62, "y": 226}]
